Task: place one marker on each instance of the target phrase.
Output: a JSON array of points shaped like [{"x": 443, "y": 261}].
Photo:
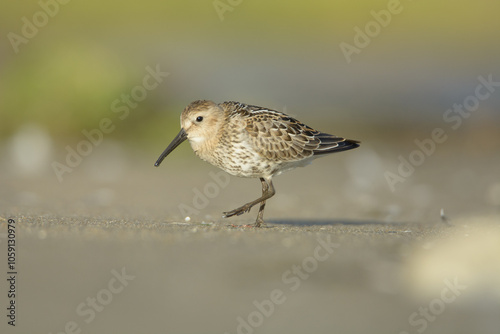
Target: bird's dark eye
[{"x": 199, "y": 118}]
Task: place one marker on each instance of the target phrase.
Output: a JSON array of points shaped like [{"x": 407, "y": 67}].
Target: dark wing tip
[
  {"x": 353, "y": 143},
  {"x": 332, "y": 144}
]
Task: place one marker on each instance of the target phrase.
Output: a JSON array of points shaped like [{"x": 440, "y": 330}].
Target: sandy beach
[{"x": 119, "y": 256}]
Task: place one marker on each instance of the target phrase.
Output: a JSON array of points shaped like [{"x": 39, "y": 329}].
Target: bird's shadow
[{"x": 316, "y": 222}]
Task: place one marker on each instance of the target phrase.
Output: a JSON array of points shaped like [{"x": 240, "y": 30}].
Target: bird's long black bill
[{"x": 181, "y": 136}]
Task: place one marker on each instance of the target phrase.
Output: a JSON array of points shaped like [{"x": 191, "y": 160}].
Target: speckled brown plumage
[{"x": 251, "y": 141}]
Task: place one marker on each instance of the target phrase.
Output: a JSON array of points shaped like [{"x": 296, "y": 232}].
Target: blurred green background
[{"x": 276, "y": 54}]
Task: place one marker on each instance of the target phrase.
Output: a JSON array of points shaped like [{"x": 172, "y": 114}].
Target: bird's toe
[{"x": 236, "y": 212}]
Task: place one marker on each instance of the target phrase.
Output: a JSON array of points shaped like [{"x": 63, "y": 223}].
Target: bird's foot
[
  {"x": 237, "y": 212},
  {"x": 259, "y": 223}
]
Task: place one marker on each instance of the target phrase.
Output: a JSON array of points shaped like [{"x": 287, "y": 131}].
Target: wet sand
[{"x": 341, "y": 252}]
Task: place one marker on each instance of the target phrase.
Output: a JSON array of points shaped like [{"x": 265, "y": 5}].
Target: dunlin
[{"x": 250, "y": 141}]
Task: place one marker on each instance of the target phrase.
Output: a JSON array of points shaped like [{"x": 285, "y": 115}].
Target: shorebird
[{"x": 250, "y": 141}]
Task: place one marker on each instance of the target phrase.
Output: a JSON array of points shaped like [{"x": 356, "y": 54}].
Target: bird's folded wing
[{"x": 283, "y": 138}]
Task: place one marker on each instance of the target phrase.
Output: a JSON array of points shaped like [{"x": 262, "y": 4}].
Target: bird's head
[{"x": 200, "y": 122}]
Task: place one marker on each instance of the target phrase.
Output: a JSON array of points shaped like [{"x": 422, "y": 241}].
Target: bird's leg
[
  {"x": 267, "y": 192},
  {"x": 260, "y": 221}
]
